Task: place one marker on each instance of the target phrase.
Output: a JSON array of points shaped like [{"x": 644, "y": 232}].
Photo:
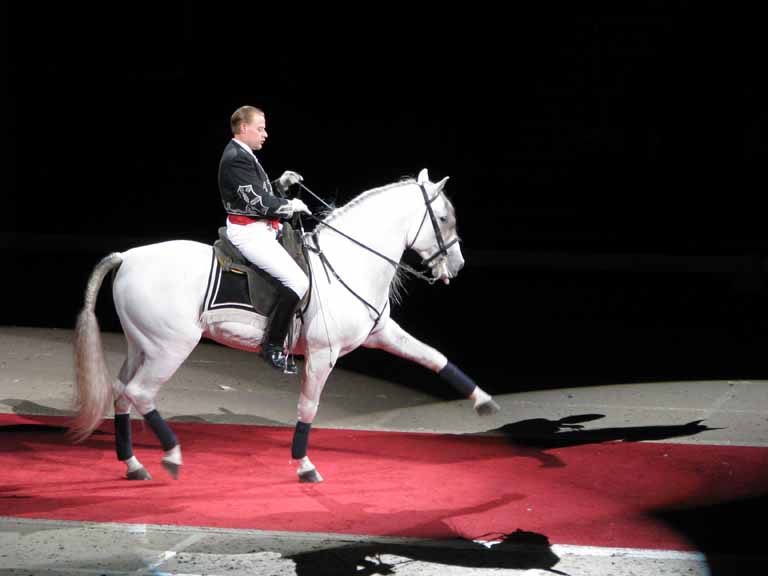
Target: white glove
[
  {"x": 289, "y": 178},
  {"x": 299, "y": 206}
]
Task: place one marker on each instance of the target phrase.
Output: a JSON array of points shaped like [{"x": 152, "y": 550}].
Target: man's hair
[{"x": 243, "y": 115}]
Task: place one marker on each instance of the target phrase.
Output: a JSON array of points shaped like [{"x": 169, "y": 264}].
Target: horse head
[{"x": 436, "y": 240}]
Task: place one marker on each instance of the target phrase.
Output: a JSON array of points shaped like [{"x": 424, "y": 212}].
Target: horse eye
[{"x": 443, "y": 219}]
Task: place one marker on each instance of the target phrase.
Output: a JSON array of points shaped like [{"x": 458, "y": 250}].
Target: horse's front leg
[
  {"x": 397, "y": 341},
  {"x": 317, "y": 367}
]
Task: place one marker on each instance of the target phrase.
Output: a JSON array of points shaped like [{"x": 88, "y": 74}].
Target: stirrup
[
  {"x": 290, "y": 365},
  {"x": 277, "y": 358}
]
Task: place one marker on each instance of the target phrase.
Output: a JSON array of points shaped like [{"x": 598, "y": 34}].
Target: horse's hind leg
[
  {"x": 123, "y": 443},
  {"x": 156, "y": 368}
]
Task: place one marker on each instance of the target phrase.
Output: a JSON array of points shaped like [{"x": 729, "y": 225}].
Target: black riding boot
[{"x": 273, "y": 346}]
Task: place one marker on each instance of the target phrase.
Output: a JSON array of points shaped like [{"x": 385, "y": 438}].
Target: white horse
[{"x": 159, "y": 291}]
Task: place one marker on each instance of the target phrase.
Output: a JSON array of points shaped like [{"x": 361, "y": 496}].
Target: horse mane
[
  {"x": 337, "y": 213},
  {"x": 397, "y": 288}
]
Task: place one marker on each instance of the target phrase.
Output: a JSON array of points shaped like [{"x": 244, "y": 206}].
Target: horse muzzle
[{"x": 442, "y": 270}]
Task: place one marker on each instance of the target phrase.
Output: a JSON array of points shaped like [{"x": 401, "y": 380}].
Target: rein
[
  {"x": 442, "y": 247},
  {"x": 442, "y": 250}
]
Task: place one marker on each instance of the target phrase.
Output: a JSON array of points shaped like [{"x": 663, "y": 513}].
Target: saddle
[{"x": 263, "y": 290}]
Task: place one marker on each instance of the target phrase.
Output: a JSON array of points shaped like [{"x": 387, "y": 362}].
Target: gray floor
[{"x": 228, "y": 386}]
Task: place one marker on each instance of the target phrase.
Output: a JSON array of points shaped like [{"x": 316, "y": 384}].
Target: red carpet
[{"x": 378, "y": 483}]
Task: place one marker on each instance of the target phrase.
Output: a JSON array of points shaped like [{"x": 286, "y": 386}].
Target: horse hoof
[
  {"x": 140, "y": 474},
  {"x": 172, "y": 469},
  {"x": 487, "y": 408},
  {"x": 312, "y": 476}
]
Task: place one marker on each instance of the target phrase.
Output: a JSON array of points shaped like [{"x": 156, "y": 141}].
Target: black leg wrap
[
  {"x": 123, "y": 436},
  {"x": 300, "y": 440},
  {"x": 464, "y": 384},
  {"x": 161, "y": 429}
]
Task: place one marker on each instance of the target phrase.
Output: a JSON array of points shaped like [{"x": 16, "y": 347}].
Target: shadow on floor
[
  {"x": 520, "y": 550},
  {"x": 727, "y": 533},
  {"x": 537, "y": 435}
]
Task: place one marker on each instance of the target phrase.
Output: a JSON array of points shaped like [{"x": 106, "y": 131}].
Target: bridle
[
  {"x": 442, "y": 247},
  {"x": 442, "y": 250}
]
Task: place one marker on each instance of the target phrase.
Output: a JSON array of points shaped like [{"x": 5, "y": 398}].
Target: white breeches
[{"x": 258, "y": 242}]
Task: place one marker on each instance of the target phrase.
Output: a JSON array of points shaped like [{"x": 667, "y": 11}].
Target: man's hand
[
  {"x": 299, "y": 206},
  {"x": 289, "y": 178}
]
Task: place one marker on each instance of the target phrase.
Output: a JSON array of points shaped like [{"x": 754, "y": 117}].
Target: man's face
[{"x": 255, "y": 133}]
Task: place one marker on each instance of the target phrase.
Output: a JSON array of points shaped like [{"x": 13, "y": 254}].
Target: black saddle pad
[
  {"x": 227, "y": 289},
  {"x": 235, "y": 283}
]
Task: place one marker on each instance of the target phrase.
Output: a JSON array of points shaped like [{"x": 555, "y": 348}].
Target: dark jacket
[{"x": 245, "y": 188}]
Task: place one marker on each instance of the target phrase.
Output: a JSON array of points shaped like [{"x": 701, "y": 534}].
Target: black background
[
  {"x": 606, "y": 163},
  {"x": 603, "y": 163}
]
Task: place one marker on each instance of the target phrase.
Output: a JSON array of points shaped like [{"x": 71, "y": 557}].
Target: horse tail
[{"x": 93, "y": 389}]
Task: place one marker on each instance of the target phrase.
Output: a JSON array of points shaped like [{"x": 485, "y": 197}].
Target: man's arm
[{"x": 253, "y": 189}]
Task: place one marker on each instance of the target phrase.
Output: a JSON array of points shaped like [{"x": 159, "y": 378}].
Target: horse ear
[
  {"x": 423, "y": 176},
  {"x": 440, "y": 185}
]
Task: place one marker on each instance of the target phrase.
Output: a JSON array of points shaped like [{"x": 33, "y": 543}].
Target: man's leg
[
  {"x": 258, "y": 243},
  {"x": 273, "y": 345}
]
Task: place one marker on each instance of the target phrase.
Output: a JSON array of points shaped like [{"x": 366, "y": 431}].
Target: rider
[{"x": 253, "y": 221}]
